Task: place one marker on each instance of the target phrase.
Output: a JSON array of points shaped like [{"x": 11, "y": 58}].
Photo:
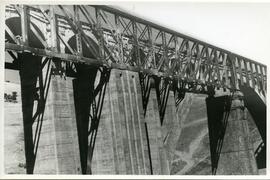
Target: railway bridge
[{"x": 100, "y": 89}]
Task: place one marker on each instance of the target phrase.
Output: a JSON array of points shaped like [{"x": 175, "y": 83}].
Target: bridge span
[{"x": 102, "y": 92}]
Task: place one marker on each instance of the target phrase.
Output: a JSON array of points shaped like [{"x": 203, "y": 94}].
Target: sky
[{"x": 243, "y": 28}]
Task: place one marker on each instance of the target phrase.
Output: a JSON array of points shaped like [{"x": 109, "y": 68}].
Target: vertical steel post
[
  {"x": 24, "y": 24},
  {"x": 119, "y": 39},
  {"x": 100, "y": 34},
  {"x": 151, "y": 45},
  {"x": 136, "y": 43},
  {"x": 78, "y": 33},
  {"x": 162, "y": 90},
  {"x": 235, "y": 84},
  {"x": 54, "y": 30}
]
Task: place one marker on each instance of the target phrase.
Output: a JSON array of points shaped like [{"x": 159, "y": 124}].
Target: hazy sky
[{"x": 243, "y": 28}]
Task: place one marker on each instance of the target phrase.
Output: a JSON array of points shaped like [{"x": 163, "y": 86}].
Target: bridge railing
[{"x": 128, "y": 42}]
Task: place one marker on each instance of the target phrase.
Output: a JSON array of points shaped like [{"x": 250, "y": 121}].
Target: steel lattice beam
[{"x": 130, "y": 43}]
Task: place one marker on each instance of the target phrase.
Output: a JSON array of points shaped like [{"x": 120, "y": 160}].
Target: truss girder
[{"x": 128, "y": 42}]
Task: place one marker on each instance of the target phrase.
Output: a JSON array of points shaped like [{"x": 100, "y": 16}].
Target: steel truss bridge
[{"x": 76, "y": 40}]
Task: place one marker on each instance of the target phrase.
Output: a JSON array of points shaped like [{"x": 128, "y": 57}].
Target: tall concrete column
[
  {"x": 170, "y": 132},
  {"x": 237, "y": 155},
  {"x": 58, "y": 151},
  {"x": 53, "y": 148},
  {"x": 159, "y": 160},
  {"x": 121, "y": 142}
]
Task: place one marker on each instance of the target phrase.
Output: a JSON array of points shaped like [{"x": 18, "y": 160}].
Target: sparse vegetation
[{"x": 11, "y": 97}]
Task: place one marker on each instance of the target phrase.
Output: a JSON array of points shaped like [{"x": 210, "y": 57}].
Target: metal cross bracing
[
  {"x": 34, "y": 91},
  {"x": 128, "y": 42},
  {"x": 162, "y": 87},
  {"x": 218, "y": 110},
  {"x": 89, "y": 93},
  {"x": 165, "y": 60}
]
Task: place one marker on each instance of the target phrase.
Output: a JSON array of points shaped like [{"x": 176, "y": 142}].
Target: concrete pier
[
  {"x": 121, "y": 145},
  {"x": 58, "y": 151},
  {"x": 127, "y": 142},
  {"x": 160, "y": 163},
  {"x": 170, "y": 132},
  {"x": 236, "y": 156}
]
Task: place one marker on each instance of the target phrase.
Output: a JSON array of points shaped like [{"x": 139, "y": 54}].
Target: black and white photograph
[{"x": 134, "y": 88}]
